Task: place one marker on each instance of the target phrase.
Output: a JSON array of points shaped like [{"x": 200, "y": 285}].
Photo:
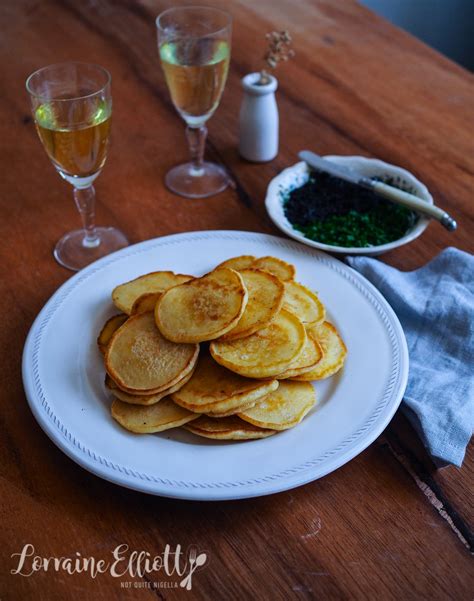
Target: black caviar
[{"x": 332, "y": 211}]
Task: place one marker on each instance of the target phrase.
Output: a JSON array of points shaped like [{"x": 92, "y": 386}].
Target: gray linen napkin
[{"x": 435, "y": 305}]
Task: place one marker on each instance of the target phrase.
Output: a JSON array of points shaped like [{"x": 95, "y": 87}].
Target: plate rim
[{"x": 269, "y": 484}]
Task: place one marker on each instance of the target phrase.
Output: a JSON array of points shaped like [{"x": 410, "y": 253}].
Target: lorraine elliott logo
[{"x": 137, "y": 564}]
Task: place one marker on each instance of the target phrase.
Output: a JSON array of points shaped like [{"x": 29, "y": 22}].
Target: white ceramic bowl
[{"x": 297, "y": 175}]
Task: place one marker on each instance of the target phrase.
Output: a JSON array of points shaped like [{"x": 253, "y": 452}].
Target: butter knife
[{"x": 390, "y": 192}]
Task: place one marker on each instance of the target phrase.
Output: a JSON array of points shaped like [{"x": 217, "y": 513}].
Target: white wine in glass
[
  {"x": 72, "y": 109},
  {"x": 195, "y": 83},
  {"x": 75, "y": 151},
  {"x": 194, "y": 48}
]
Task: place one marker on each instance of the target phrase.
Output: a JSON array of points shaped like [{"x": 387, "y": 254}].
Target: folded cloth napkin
[{"x": 435, "y": 305}]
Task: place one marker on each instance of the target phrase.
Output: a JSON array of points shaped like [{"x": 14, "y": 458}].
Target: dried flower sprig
[{"x": 279, "y": 49}]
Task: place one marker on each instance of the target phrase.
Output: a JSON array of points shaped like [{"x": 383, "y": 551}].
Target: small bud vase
[{"x": 258, "y": 122}]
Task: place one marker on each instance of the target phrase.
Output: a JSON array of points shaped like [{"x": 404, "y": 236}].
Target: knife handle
[{"x": 413, "y": 202}]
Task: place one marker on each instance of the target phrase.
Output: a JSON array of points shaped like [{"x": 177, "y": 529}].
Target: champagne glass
[
  {"x": 72, "y": 108},
  {"x": 194, "y": 47}
]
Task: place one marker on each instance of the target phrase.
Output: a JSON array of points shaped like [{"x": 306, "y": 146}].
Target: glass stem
[
  {"x": 196, "y": 137},
  {"x": 85, "y": 203}
]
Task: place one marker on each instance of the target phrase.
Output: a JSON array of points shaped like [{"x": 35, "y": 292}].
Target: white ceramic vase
[{"x": 258, "y": 122}]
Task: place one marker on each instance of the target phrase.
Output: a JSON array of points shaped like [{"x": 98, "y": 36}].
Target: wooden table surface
[{"x": 385, "y": 526}]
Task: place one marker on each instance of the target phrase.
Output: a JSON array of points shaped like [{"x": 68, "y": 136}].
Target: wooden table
[{"x": 385, "y": 526}]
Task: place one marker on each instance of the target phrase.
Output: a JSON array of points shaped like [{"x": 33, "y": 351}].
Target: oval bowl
[{"x": 297, "y": 175}]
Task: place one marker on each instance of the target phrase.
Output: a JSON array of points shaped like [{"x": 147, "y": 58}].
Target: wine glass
[
  {"x": 194, "y": 47},
  {"x": 72, "y": 108}
]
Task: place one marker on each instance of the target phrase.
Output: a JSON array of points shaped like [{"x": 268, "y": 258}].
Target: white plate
[
  {"x": 63, "y": 377},
  {"x": 297, "y": 175}
]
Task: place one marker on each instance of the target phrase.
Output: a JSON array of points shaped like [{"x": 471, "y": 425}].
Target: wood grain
[{"x": 371, "y": 530}]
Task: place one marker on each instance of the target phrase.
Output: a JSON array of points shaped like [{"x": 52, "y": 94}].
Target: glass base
[
  {"x": 73, "y": 252},
  {"x": 189, "y": 182}
]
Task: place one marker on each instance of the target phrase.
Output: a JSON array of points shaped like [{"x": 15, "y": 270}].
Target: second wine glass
[{"x": 194, "y": 45}]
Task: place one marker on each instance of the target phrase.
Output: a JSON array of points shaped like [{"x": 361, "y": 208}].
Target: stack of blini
[{"x": 230, "y": 355}]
